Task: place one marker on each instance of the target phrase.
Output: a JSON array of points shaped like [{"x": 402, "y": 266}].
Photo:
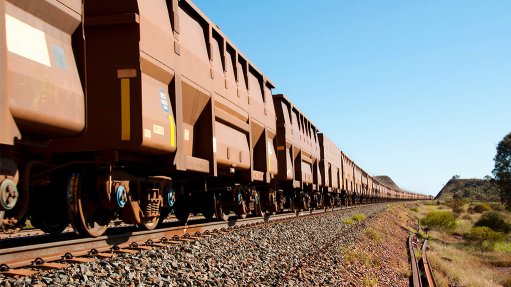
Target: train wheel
[
  {"x": 48, "y": 210},
  {"x": 51, "y": 227},
  {"x": 293, "y": 206},
  {"x": 274, "y": 207},
  {"x": 241, "y": 208},
  {"x": 221, "y": 213},
  {"x": 87, "y": 217},
  {"x": 164, "y": 214},
  {"x": 243, "y": 213},
  {"x": 258, "y": 209},
  {"x": 208, "y": 208},
  {"x": 208, "y": 213},
  {"x": 182, "y": 213}
]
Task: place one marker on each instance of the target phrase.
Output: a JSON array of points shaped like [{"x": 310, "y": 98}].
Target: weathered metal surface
[
  {"x": 416, "y": 281},
  {"x": 330, "y": 165},
  {"x": 43, "y": 88},
  {"x": 347, "y": 174},
  {"x": 298, "y": 145},
  {"x": 427, "y": 267}
]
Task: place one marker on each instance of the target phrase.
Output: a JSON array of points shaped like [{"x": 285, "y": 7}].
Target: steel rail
[
  {"x": 31, "y": 255},
  {"x": 416, "y": 279},
  {"x": 427, "y": 267}
]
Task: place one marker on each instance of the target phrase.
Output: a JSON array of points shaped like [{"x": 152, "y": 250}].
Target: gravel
[{"x": 304, "y": 252}]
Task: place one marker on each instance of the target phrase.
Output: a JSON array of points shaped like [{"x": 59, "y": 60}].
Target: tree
[{"x": 502, "y": 170}]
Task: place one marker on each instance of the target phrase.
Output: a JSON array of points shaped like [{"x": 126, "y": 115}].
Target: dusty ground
[{"x": 379, "y": 257}]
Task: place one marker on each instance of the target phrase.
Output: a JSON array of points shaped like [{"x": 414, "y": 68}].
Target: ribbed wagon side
[
  {"x": 331, "y": 171},
  {"x": 348, "y": 181},
  {"x": 299, "y": 156}
]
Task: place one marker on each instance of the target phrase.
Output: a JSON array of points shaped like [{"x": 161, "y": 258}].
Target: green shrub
[
  {"x": 359, "y": 217},
  {"x": 481, "y": 207},
  {"x": 482, "y": 233},
  {"x": 415, "y": 209},
  {"x": 494, "y": 220},
  {"x": 484, "y": 236},
  {"x": 348, "y": 221},
  {"x": 503, "y": 246},
  {"x": 441, "y": 220}
]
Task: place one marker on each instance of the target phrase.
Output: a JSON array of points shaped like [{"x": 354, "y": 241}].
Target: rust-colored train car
[
  {"x": 357, "y": 174},
  {"x": 348, "y": 183},
  {"x": 331, "y": 171},
  {"x": 376, "y": 190},
  {"x": 299, "y": 155},
  {"x": 364, "y": 191},
  {"x": 370, "y": 189}
]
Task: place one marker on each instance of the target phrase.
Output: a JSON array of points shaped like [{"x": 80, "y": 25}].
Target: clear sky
[{"x": 417, "y": 90}]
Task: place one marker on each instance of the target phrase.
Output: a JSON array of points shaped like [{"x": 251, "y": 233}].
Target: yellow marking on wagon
[
  {"x": 172, "y": 131},
  {"x": 125, "y": 109}
]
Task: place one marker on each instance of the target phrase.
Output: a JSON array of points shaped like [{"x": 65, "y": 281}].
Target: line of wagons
[{"x": 134, "y": 109}]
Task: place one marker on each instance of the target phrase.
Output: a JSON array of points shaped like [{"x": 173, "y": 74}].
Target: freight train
[{"x": 134, "y": 109}]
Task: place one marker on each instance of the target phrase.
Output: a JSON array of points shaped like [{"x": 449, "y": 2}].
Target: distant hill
[
  {"x": 387, "y": 181},
  {"x": 473, "y": 189}
]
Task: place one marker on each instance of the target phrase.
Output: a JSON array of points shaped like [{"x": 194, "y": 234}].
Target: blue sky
[{"x": 417, "y": 90}]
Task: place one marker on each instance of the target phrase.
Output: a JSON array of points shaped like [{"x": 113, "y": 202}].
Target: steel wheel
[
  {"x": 47, "y": 226},
  {"x": 294, "y": 207},
  {"x": 164, "y": 214},
  {"x": 241, "y": 210},
  {"x": 208, "y": 208},
  {"x": 85, "y": 213},
  {"x": 258, "y": 210},
  {"x": 48, "y": 210},
  {"x": 220, "y": 213},
  {"x": 208, "y": 214},
  {"x": 273, "y": 206},
  {"x": 182, "y": 213}
]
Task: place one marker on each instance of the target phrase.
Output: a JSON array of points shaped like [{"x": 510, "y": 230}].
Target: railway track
[
  {"x": 422, "y": 275},
  {"x": 25, "y": 260}
]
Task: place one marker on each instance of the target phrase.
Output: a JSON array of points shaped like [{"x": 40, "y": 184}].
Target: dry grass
[
  {"x": 370, "y": 281},
  {"x": 373, "y": 234},
  {"x": 461, "y": 267},
  {"x": 463, "y": 226},
  {"x": 456, "y": 263}
]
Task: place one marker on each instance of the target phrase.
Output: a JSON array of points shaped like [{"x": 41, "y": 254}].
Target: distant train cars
[{"x": 136, "y": 109}]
